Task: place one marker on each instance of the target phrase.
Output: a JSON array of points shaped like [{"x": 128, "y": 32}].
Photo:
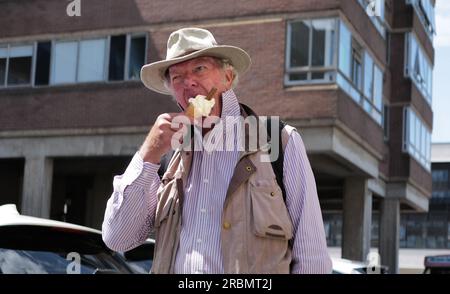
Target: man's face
[{"x": 197, "y": 77}]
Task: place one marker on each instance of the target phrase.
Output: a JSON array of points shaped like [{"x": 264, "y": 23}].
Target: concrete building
[{"x": 355, "y": 80}]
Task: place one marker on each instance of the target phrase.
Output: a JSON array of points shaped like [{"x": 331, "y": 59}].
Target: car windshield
[{"x": 51, "y": 250}]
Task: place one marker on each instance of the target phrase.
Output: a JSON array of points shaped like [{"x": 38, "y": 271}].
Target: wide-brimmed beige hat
[{"x": 188, "y": 43}]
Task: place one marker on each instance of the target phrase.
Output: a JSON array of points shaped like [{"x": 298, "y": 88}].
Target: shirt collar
[{"x": 230, "y": 104}]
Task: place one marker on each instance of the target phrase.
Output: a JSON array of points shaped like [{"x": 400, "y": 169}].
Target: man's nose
[{"x": 190, "y": 81}]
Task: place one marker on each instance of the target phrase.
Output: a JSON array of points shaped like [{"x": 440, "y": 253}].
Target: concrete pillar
[
  {"x": 390, "y": 233},
  {"x": 37, "y": 186},
  {"x": 357, "y": 219}
]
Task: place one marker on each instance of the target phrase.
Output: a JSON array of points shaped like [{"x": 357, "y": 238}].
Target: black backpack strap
[
  {"x": 277, "y": 165},
  {"x": 165, "y": 160}
]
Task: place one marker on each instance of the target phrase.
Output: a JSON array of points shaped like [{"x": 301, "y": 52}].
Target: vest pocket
[{"x": 269, "y": 213}]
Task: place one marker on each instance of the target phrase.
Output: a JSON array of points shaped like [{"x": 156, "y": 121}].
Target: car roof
[{"x": 9, "y": 216}]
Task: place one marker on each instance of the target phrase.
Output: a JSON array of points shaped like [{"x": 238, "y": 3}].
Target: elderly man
[{"x": 215, "y": 211}]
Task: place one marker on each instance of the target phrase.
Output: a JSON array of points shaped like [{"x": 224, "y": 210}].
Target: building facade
[
  {"x": 354, "y": 76},
  {"x": 431, "y": 230}
]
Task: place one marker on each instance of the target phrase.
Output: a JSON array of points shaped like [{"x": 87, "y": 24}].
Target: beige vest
[{"x": 256, "y": 226}]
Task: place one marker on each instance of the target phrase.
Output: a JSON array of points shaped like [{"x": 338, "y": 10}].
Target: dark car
[
  {"x": 141, "y": 257},
  {"x": 30, "y": 245}
]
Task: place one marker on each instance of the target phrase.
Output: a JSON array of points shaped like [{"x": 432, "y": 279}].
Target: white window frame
[
  {"x": 358, "y": 95},
  {"x": 414, "y": 146},
  {"x": 425, "y": 16},
  {"x": 409, "y": 68},
  {"x": 309, "y": 70}
]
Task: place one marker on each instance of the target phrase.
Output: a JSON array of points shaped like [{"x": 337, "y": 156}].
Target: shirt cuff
[{"x": 139, "y": 172}]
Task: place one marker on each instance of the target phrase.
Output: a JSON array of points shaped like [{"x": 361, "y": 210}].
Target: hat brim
[{"x": 152, "y": 74}]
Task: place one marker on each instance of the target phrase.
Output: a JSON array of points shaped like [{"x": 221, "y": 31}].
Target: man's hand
[{"x": 159, "y": 139}]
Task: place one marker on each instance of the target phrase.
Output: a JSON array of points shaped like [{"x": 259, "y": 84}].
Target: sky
[{"x": 441, "y": 75}]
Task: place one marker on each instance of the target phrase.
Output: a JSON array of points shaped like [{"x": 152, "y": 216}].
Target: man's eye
[
  {"x": 200, "y": 68},
  {"x": 175, "y": 78}
]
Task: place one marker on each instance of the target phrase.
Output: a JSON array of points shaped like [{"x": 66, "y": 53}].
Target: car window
[
  {"x": 35, "y": 249},
  {"x": 141, "y": 267},
  {"x": 44, "y": 262}
]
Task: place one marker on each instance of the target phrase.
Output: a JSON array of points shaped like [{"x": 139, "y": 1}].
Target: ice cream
[{"x": 200, "y": 105}]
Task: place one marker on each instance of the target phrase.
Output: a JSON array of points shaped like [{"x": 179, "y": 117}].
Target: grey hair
[
  {"x": 226, "y": 64},
  {"x": 223, "y": 62}
]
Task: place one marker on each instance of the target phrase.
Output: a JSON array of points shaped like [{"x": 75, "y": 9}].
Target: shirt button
[
  {"x": 226, "y": 225},
  {"x": 206, "y": 181},
  {"x": 145, "y": 174},
  {"x": 202, "y": 210},
  {"x": 199, "y": 241}
]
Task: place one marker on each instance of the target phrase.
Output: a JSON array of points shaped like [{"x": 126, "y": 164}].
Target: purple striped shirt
[{"x": 130, "y": 211}]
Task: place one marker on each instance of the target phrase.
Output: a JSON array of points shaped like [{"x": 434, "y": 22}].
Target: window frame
[
  {"x": 413, "y": 146},
  {"x": 8, "y": 56},
  {"x": 363, "y": 101},
  {"x": 309, "y": 70},
  {"x": 336, "y": 71},
  {"x": 128, "y": 51},
  {"x": 409, "y": 69},
  {"x": 78, "y": 40},
  {"x": 424, "y": 17}
]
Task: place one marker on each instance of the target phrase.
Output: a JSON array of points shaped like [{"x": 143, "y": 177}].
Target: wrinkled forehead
[{"x": 192, "y": 62}]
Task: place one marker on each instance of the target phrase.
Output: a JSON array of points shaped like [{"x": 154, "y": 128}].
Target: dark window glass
[
  {"x": 298, "y": 77},
  {"x": 299, "y": 44},
  {"x": 43, "y": 63},
  {"x": 318, "y": 52},
  {"x": 19, "y": 71},
  {"x": 356, "y": 71},
  {"x": 318, "y": 76},
  {"x": 117, "y": 58},
  {"x": 137, "y": 57},
  {"x": 2, "y": 71}
]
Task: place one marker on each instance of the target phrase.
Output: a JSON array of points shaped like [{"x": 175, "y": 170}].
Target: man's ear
[{"x": 229, "y": 77}]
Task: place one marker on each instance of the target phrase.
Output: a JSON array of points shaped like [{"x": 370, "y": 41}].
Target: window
[
  {"x": 16, "y": 65},
  {"x": 418, "y": 67},
  {"x": 357, "y": 65},
  {"x": 426, "y": 13},
  {"x": 59, "y": 62},
  {"x": 117, "y": 57},
  {"x": 137, "y": 57},
  {"x": 91, "y": 60},
  {"x": 375, "y": 11},
  {"x": 323, "y": 51},
  {"x": 440, "y": 183},
  {"x": 64, "y": 63},
  {"x": 385, "y": 119},
  {"x": 417, "y": 138},
  {"x": 310, "y": 51},
  {"x": 359, "y": 76},
  {"x": 43, "y": 57},
  {"x": 3, "y": 59}
]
